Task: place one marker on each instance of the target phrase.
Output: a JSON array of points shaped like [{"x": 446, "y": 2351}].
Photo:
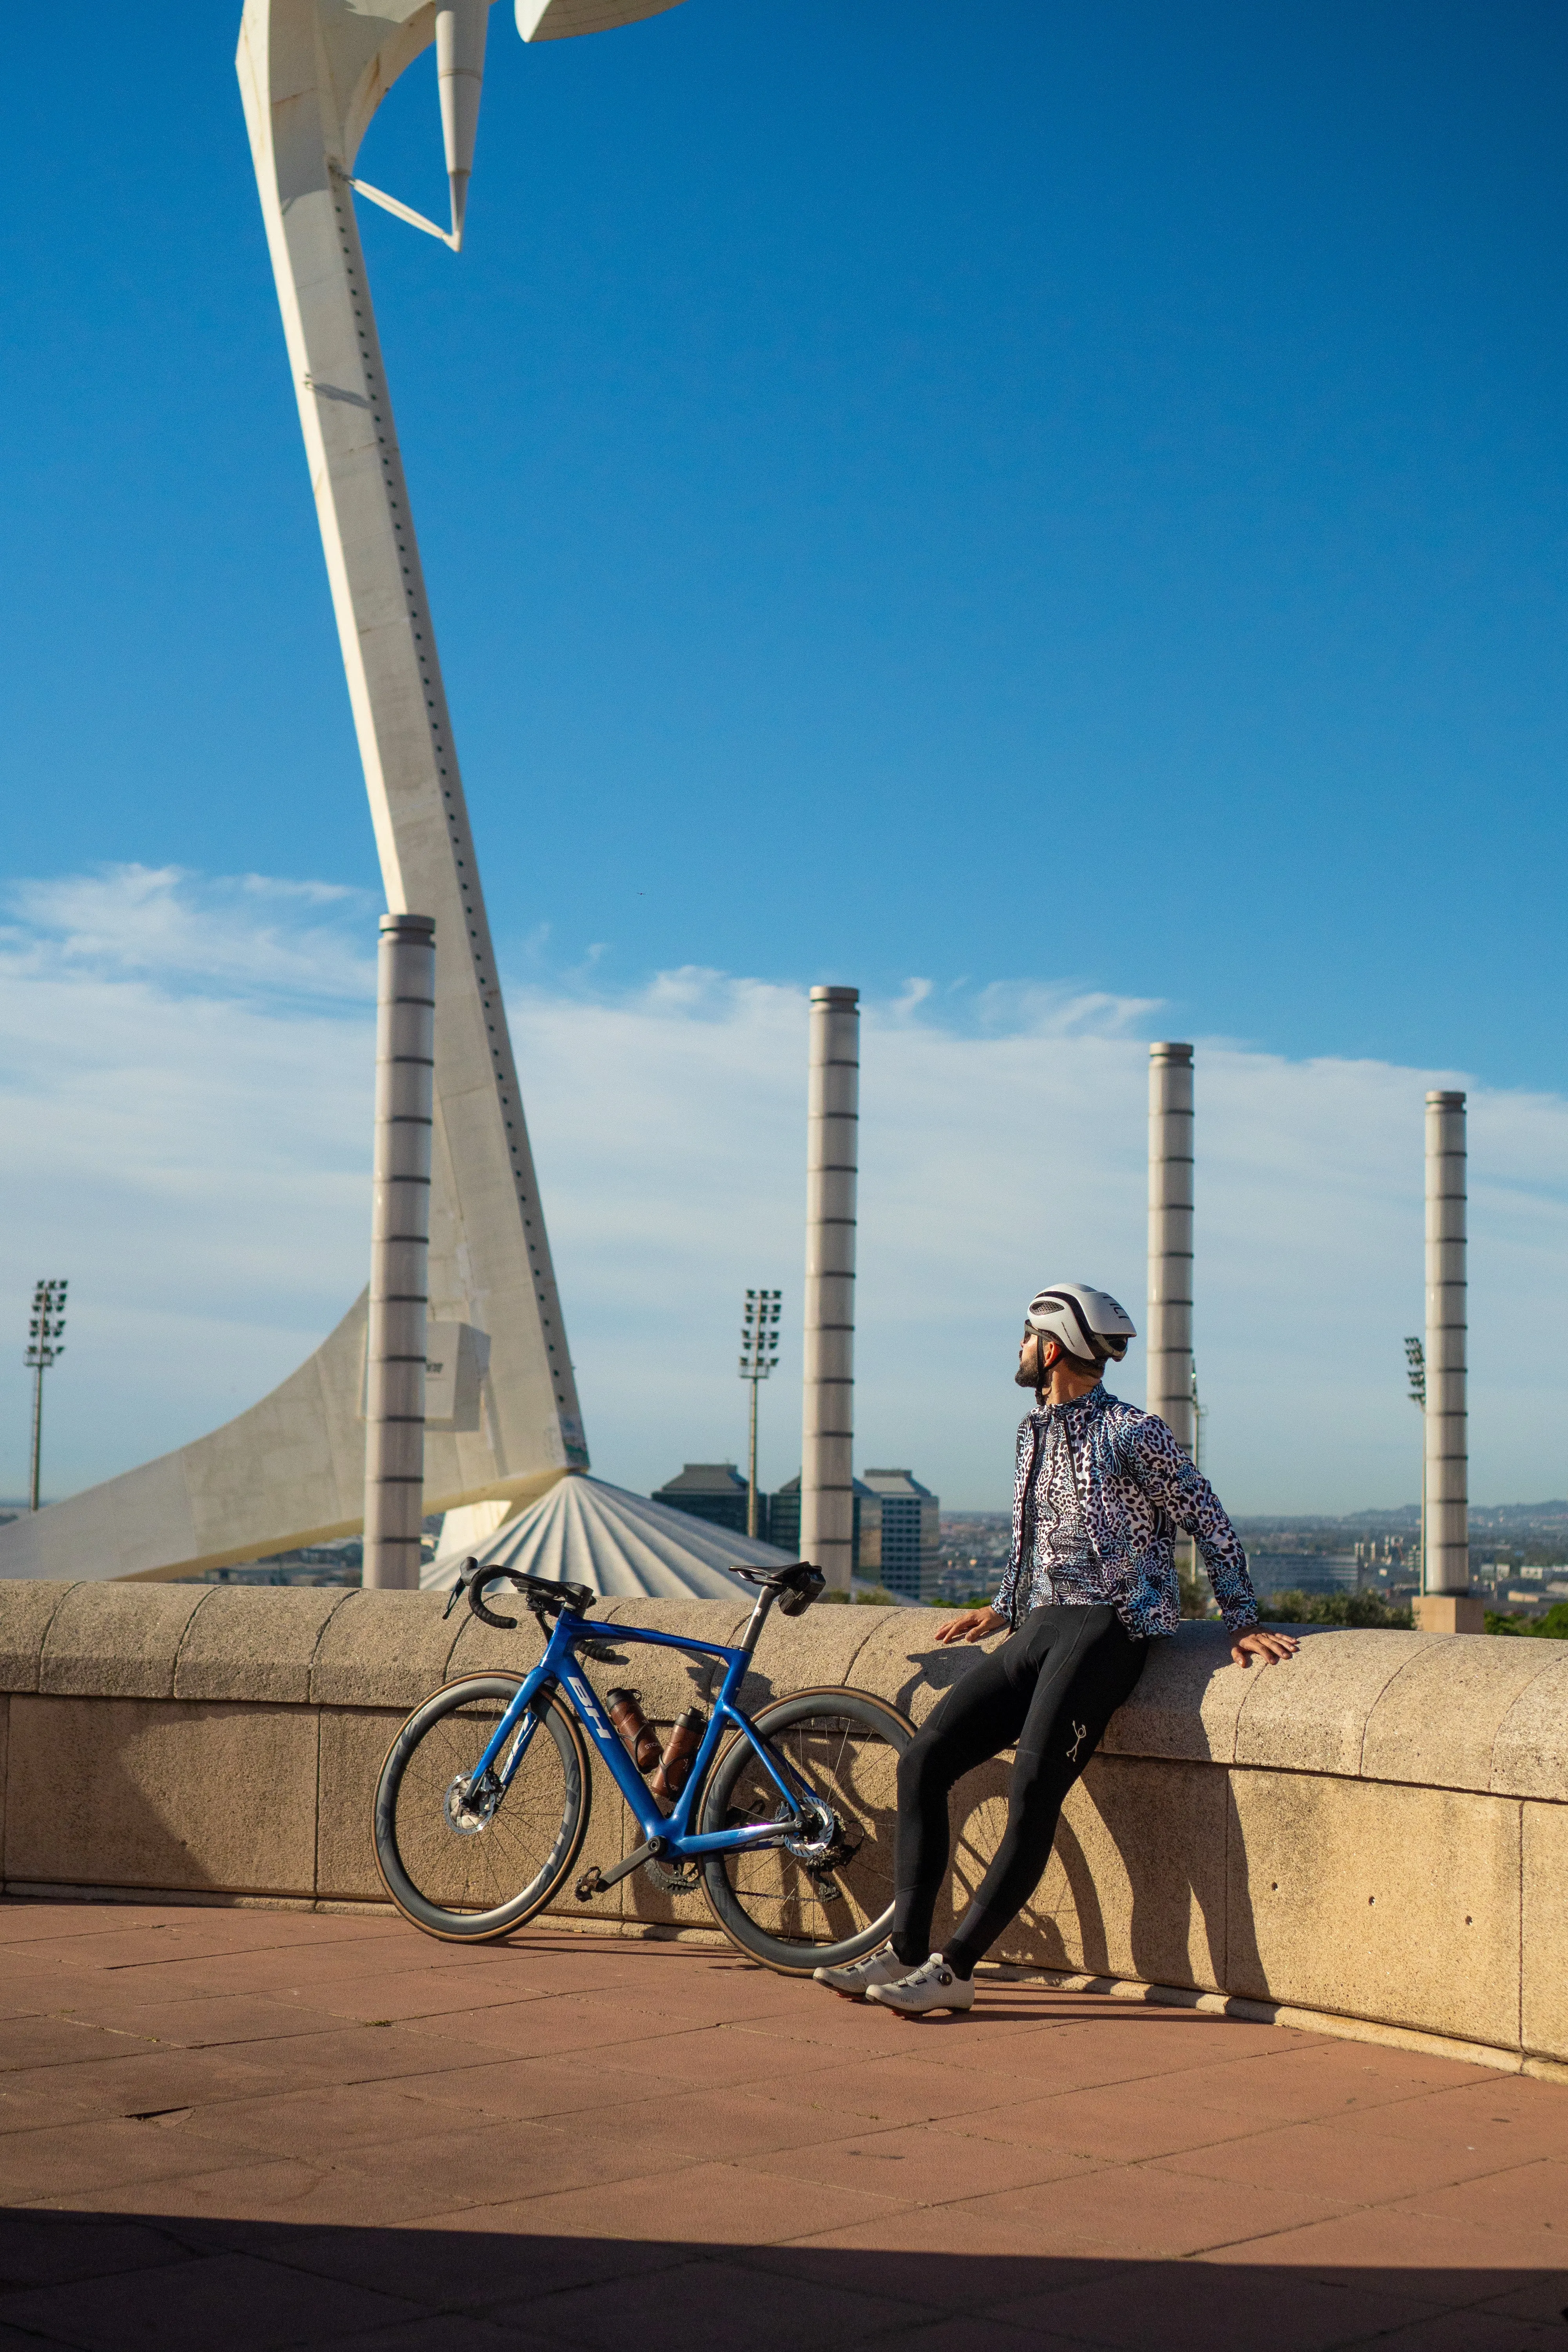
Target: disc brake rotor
[
  {"x": 467, "y": 1814},
  {"x": 826, "y": 1844}
]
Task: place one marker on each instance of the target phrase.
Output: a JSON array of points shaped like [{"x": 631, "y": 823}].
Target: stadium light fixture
[
  {"x": 759, "y": 1357},
  {"x": 46, "y": 1345}
]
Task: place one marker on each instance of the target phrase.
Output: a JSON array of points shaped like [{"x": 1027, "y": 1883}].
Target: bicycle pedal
[{"x": 590, "y": 1883}]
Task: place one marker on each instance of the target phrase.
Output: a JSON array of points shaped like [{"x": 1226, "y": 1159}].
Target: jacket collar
[{"x": 1092, "y": 1400}]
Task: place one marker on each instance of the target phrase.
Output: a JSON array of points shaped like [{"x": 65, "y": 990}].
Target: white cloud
[
  {"x": 284, "y": 940},
  {"x": 185, "y": 1067}
]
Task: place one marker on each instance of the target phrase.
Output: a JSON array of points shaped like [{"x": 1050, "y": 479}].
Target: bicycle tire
[
  {"x": 544, "y": 1814},
  {"x": 846, "y": 1743}
]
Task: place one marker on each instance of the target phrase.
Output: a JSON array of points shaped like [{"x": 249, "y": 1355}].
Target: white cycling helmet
[{"x": 1088, "y": 1323}]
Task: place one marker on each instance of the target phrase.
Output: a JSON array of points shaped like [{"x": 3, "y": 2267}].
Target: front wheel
[
  {"x": 826, "y": 1897},
  {"x": 465, "y": 1868}
]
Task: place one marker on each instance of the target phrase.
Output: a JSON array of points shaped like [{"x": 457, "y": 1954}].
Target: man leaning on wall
[{"x": 1099, "y": 1490}]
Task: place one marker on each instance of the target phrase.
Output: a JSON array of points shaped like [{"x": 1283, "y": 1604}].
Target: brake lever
[{"x": 464, "y": 1578}]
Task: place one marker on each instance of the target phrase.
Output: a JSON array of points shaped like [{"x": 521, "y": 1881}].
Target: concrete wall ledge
[{"x": 1373, "y": 1838}]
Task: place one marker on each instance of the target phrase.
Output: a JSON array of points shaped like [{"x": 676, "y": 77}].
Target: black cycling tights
[{"x": 1050, "y": 1690}]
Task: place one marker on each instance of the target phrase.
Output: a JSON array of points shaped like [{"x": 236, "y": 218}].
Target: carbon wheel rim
[
  {"x": 798, "y": 1912},
  {"x": 462, "y": 1882}
]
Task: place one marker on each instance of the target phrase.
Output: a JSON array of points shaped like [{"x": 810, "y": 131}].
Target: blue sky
[{"x": 1026, "y": 498}]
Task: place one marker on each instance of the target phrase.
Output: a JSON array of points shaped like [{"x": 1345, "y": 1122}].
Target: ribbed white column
[
  {"x": 399, "y": 1250},
  {"x": 827, "y": 1420},
  {"x": 1169, "y": 1339},
  {"x": 1447, "y": 1566}
]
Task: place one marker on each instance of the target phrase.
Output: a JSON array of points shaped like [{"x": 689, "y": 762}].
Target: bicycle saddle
[{"x": 797, "y": 1586}]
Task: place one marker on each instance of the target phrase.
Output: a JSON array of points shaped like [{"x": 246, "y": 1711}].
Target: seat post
[{"x": 758, "y": 1619}]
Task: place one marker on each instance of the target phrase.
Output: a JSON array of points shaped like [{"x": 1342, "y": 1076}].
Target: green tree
[
  {"x": 1359, "y": 1609},
  {"x": 1552, "y": 1627}
]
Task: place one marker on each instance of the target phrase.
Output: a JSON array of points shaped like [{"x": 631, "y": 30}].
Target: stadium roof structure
[{"x": 624, "y": 1545}]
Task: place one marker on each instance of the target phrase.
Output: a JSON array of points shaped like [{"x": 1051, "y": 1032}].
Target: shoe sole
[{"x": 932, "y": 2008}]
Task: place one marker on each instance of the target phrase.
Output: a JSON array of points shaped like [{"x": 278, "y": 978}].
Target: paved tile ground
[{"x": 258, "y": 2128}]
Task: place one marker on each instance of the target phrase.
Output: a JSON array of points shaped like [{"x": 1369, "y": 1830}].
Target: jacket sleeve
[
  {"x": 1007, "y": 1601},
  {"x": 1178, "y": 1487}
]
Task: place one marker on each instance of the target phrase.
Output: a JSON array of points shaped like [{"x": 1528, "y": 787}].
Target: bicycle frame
[{"x": 666, "y": 1833}]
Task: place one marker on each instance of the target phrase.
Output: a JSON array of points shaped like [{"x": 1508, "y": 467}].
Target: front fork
[{"x": 494, "y": 1775}]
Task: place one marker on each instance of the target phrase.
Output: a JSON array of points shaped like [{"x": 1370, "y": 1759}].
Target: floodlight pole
[
  {"x": 1416, "y": 1371},
  {"x": 1200, "y": 1414},
  {"x": 45, "y": 1344},
  {"x": 751, "y": 1468},
  {"x": 759, "y": 1356}
]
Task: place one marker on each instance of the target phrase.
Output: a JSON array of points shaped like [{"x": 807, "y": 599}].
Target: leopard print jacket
[{"x": 1100, "y": 1491}]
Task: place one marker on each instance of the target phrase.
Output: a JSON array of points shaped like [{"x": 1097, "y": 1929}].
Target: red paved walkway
[{"x": 249, "y": 2128}]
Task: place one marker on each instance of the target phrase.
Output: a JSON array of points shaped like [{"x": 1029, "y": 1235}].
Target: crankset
[{"x": 673, "y": 1878}]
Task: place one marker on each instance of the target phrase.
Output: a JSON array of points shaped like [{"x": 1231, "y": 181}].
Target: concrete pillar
[
  {"x": 399, "y": 1250},
  {"x": 1169, "y": 1337},
  {"x": 1444, "y": 1607},
  {"x": 827, "y": 1420}
]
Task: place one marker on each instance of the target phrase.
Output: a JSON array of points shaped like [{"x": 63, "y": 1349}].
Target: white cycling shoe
[
  {"x": 856, "y": 1982},
  {"x": 931, "y": 1986}
]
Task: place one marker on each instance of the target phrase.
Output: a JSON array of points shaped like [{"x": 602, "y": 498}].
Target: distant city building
[
  {"x": 330, "y": 1563},
  {"x": 1387, "y": 1561},
  {"x": 975, "y": 1546},
  {"x": 784, "y": 1518},
  {"x": 901, "y": 1534},
  {"x": 1302, "y": 1571},
  {"x": 716, "y": 1491}
]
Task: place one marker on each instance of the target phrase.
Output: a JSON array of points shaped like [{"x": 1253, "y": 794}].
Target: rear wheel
[
  {"x": 826, "y": 1898},
  {"x": 472, "y": 1869}
]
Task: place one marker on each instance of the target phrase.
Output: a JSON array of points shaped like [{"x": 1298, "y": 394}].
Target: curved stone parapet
[{"x": 1373, "y": 1839}]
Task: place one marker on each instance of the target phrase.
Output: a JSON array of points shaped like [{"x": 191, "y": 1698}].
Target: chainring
[{"x": 673, "y": 1878}]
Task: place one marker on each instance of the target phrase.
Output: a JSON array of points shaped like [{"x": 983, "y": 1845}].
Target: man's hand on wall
[
  {"x": 972, "y": 1626},
  {"x": 1264, "y": 1647}
]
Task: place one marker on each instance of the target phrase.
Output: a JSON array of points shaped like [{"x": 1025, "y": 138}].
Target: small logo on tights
[{"x": 1082, "y": 1731}]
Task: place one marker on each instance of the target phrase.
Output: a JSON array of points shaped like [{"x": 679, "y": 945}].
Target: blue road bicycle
[{"x": 785, "y": 1824}]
